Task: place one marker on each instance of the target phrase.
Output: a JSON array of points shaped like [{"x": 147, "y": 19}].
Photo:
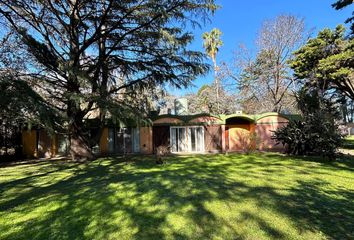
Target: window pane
[
  {"x": 193, "y": 139},
  {"x": 173, "y": 140},
  {"x": 136, "y": 140},
  {"x": 110, "y": 140},
  {"x": 199, "y": 140},
  {"x": 181, "y": 140}
]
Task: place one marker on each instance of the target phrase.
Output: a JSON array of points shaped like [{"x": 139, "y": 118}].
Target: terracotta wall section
[
  {"x": 204, "y": 119},
  {"x": 212, "y": 138},
  {"x": 146, "y": 146},
  {"x": 223, "y": 140},
  {"x": 168, "y": 120},
  {"x": 226, "y": 137}
]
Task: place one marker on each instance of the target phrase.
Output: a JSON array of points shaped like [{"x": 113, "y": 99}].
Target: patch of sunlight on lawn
[{"x": 257, "y": 196}]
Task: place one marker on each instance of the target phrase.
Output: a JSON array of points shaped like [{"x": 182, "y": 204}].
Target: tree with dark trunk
[{"x": 91, "y": 55}]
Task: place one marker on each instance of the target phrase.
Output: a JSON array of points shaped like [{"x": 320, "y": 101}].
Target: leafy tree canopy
[
  {"x": 327, "y": 62},
  {"x": 317, "y": 132}
]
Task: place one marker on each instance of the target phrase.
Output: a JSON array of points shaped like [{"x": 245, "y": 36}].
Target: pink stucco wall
[
  {"x": 264, "y": 131},
  {"x": 206, "y": 119}
]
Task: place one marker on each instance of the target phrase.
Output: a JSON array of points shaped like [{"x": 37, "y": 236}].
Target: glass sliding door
[
  {"x": 111, "y": 140},
  {"x": 192, "y": 139},
  {"x": 136, "y": 140},
  {"x": 173, "y": 137},
  {"x": 182, "y": 140},
  {"x": 178, "y": 136},
  {"x": 187, "y": 139},
  {"x": 196, "y": 139}
]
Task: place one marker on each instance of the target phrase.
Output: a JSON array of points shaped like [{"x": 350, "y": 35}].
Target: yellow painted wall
[
  {"x": 146, "y": 140},
  {"x": 104, "y": 141},
  {"x": 29, "y": 140}
]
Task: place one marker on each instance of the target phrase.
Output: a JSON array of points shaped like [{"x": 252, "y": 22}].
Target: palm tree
[{"x": 212, "y": 43}]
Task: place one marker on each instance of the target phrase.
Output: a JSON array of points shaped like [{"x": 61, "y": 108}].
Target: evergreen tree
[
  {"x": 93, "y": 55},
  {"x": 327, "y": 63},
  {"x": 340, "y": 4}
]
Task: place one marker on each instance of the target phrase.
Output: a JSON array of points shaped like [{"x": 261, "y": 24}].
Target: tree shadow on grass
[
  {"x": 86, "y": 197},
  {"x": 328, "y": 211},
  {"x": 112, "y": 198},
  {"x": 343, "y": 162},
  {"x": 348, "y": 144}
]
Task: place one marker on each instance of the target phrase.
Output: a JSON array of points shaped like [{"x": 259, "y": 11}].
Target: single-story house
[{"x": 201, "y": 133}]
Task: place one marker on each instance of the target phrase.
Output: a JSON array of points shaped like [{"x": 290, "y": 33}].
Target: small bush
[
  {"x": 249, "y": 142},
  {"x": 161, "y": 151}
]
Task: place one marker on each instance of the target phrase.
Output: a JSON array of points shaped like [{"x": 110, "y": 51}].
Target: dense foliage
[
  {"x": 324, "y": 66},
  {"x": 205, "y": 101},
  {"x": 20, "y": 107},
  {"x": 326, "y": 62},
  {"x": 340, "y": 4},
  {"x": 98, "y": 56},
  {"x": 316, "y": 133}
]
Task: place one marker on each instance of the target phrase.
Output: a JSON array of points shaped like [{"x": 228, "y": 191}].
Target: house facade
[{"x": 202, "y": 133}]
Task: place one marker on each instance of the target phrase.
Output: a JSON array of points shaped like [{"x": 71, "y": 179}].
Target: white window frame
[
  {"x": 186, "y": 131},
  {"x": 202, "y": 149},
  {"x": 188, "y": 139}
]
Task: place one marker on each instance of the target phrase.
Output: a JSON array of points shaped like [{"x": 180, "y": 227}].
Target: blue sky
[{"x": 240, "y": 21}]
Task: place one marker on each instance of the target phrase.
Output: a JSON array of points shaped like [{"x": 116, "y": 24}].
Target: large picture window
[
  {"x": 123, "y": 140},
  {"x": 187, "y": 139}
]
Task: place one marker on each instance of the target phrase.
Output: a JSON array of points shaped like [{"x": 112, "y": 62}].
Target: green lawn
[
  {"x": 260, "y": 196},
  {"x": 348, "y": 143}
]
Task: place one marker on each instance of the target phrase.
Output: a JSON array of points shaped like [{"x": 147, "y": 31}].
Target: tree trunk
[
  {"x": 217, "y": 85},
  {"x": 79, "y": 144}
]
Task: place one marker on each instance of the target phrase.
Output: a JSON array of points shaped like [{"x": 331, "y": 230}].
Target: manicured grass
[
  {"x": 259, "y": 196},
  {"x": 348, "y": 143}
]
